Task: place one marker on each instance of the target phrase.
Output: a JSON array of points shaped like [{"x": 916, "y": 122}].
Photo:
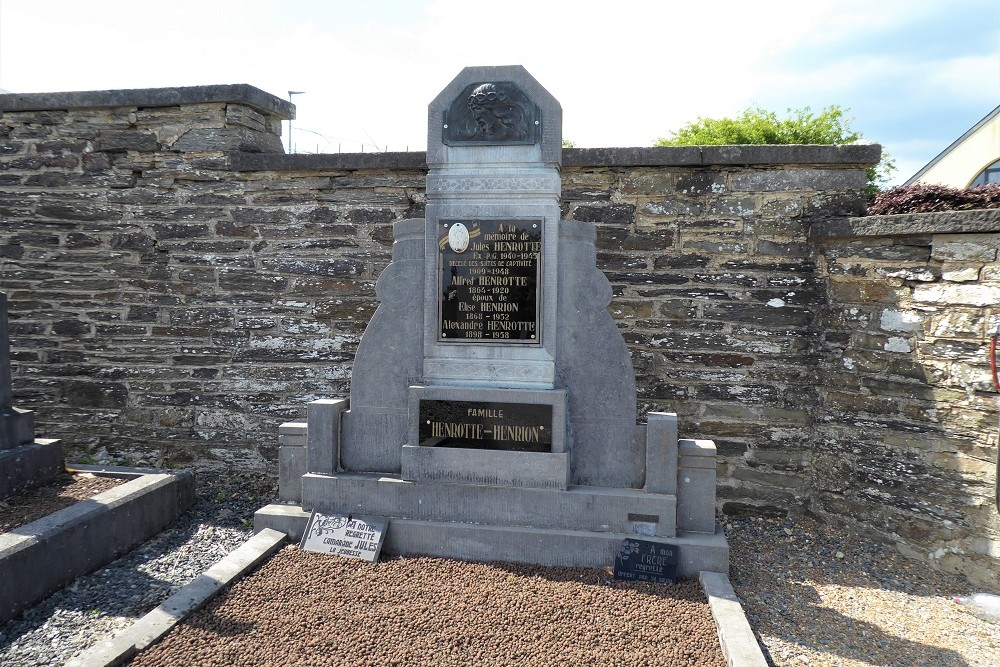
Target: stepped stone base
[
  {"x": 522, "y": 520},
  {"x": 585, "y": 508},
  {"x": 475, "y": 542},
  {"x": 578, "y": 526},
  {"x": 29, "y": 464}
]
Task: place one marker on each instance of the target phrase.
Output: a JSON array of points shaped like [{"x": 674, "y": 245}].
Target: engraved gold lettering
[
  {"x": 517, "y": 433},
  {"x": 501, "y": 307},
  {"x": 485, "y": 412},
  {"x": 456, "y": 430},
  {"x": 490, "y": 289}
]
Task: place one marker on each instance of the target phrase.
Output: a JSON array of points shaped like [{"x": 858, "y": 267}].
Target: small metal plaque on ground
[
  {"x": 642, "y": 560},
  {"x": 342, "y": 535}
]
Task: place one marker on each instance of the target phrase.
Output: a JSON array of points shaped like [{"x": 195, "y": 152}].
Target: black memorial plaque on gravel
[
  {"x": 642, "y": 560},
  {"x": 489, "y": 281},
  {"x": 518, "y": 427}
]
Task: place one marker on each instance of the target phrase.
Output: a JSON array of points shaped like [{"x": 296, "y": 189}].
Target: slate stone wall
[
  {"x": 717, "y": 295},
  {"x": 906, "y": 429},
  {"x": 178, "y": 288}
]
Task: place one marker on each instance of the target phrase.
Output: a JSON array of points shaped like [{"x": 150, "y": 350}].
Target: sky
[{"x": 914, "y": 74}]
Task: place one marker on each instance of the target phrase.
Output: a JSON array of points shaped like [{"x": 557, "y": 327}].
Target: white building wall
[{"x": 963, "y": 161}]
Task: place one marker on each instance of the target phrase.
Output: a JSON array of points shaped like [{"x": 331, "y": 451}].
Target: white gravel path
[{"x": 827, "y": 596}]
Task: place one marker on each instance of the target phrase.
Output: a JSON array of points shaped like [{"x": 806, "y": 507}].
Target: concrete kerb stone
[
  {"x": 96, "y": 531},
  {"x": 738, "y": 642},
  {"x": 149, "y": 629},
  {"x": 117, "y": 472},
  {"x": 290, "y": 520}
]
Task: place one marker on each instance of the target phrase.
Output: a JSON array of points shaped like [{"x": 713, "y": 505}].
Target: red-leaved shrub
[{"x": 928, "y": 198}]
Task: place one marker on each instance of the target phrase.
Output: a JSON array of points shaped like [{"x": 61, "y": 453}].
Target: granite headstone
[{"x": 492, "y": 412}]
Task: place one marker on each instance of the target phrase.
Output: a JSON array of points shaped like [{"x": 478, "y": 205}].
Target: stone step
[
  {"x": 588, "y": 508},
  {"x": 696, "y": 552}
]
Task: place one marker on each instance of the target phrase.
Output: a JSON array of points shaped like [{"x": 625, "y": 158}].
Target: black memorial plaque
[
  {"x": 642, "y": 560},
  {"x": 519, "y": 427},
  {"x": 489, "y": 281}
]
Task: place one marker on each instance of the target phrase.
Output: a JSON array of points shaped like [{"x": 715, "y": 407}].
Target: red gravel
[
  {"x": 39, "y": 501},
  {"x": 302, "y": 608}
]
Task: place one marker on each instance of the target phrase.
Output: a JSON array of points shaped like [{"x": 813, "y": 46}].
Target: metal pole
[{"x": 290, "y": 93}]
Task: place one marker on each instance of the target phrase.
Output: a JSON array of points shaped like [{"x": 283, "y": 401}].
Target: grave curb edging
[
  {"x": 98, "y": 530},
  {"x": 739, "y": 645},
  {"x": 149, "y": 629}
]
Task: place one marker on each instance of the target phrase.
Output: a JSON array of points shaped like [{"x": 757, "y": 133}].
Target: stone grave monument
[
  {"x": 492, "y": 413},
  {"x": 23, "y": 459}
]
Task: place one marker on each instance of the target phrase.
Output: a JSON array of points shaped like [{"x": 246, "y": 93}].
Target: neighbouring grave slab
[
  {"x": 33, "y": 562},
  {"x": 29, "y": 464}
]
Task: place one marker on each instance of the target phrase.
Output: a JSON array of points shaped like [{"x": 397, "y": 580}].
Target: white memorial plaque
[{"x": 341, "y": 535}]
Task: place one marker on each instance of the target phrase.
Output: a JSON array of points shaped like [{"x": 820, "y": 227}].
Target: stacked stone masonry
[
  {"x": 906, "y": 429},
  {"x": 178, "y": 288}
]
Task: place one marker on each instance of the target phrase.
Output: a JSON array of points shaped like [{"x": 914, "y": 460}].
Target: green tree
[{"x": 757, "y": 126}]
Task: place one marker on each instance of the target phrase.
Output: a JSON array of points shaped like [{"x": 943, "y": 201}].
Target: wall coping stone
[
  {"x": 854, "y": 155},
  {"x": 324, "y": 161},
  {"x": 909, "y": 224},
  {"x": 239, "y": 93}
]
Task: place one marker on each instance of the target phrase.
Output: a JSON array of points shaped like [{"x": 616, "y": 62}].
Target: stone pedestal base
[
  {"x": 516, "y": 544},
  {"x": 576, "y": 526},
  {"x": 503, "y": 505},
  {"x": 577, "y": 508}
]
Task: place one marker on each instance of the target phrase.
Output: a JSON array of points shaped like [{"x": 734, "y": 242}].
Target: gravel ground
[
  {"x": 815, "y": 594},
  {"x": 821, "y": 595},
  {"x": 62, "y": 491},
  {"x": 111, "y": 598},
  {"x": 305, "y": 609}
]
